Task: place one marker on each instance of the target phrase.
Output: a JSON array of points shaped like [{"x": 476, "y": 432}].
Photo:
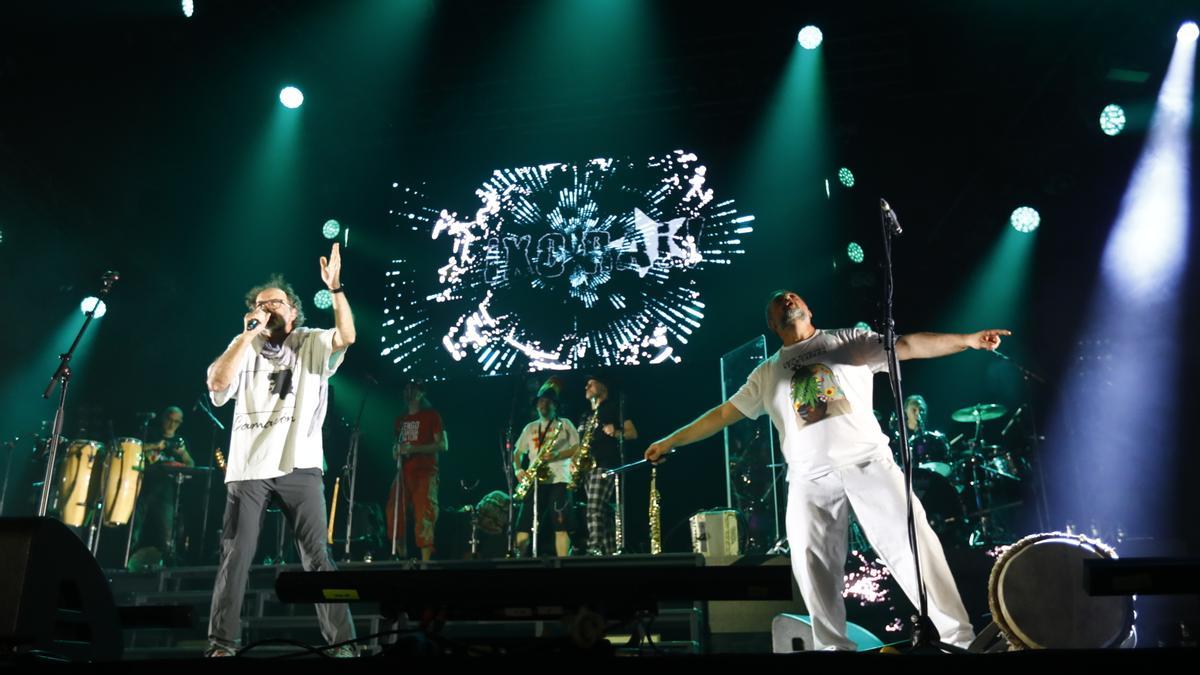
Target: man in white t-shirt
[
  {"x": 279, "y": 373},
  {"x": 817, "y": 391},
  {"x": 553, "y": 441}
]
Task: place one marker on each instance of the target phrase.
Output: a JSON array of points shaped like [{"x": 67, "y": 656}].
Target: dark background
[{"x": 135, "y": 139}]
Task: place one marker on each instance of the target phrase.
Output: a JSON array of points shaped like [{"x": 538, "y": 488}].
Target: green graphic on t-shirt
[{"x": 816, "y": 394}]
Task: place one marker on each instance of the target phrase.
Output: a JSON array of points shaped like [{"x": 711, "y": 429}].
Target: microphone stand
[
  {"x": 619, "y": 529},
  {"x": 63, "y": 375},
  {"x": 506, "y": 463},
  {"x": 352, "y": 468},
  {"x": 924, "y": 634},
  {"x": 11, "y": 444},
  {"x": 1029, "y": 377},
  {"x": 400, "y": 496},
  {"x": 202, "y": 404}
]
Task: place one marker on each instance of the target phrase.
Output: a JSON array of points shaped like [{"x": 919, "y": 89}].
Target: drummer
[
  {"x": 156, "y": 504},
  {"x": 916, "y": 412}
]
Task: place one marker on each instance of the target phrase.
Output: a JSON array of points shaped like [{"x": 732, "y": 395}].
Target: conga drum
[
  {"x": 1037, "y": 597},
  {"x": 123, "y": 483},
  {"x": 78, "y": 482}
]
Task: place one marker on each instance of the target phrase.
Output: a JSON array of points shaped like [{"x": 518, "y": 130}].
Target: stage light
[
  {"x": 1188, "y": 32},
  {"x": 810, "y": 37},
  {"x": 331, "y": 229},
  {"x": 323, "y": 299},
  {"x": 862, "y": 325},
  {"x": 1112, "y": 119},
  {"x": 291, "y": 97},
  {"x": 189, "y": 8},
  {"x": 1025, "y": 219},
  {"x": 1133, "y": 333},
  {"x": 855, "y": 252},
  {"x": 91, "y": 301},
  {"x": 846, "y": 176}
]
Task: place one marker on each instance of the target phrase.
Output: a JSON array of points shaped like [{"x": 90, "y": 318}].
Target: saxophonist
[
  {"x": 609, "y": 432},
  {"x": 547, "y": 443}
]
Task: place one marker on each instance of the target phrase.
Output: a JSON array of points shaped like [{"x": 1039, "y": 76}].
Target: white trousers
[{"x": 817, "y": 525}]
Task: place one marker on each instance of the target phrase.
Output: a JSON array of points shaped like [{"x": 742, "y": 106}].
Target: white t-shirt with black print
[
  {"x": 281, "y": 397},
  {"x": 538, "y": 432},
  {"x": 818, "y": 395}
]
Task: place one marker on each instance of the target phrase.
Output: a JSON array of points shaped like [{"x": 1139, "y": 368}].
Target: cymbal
[{"x": 979, "y": 413}]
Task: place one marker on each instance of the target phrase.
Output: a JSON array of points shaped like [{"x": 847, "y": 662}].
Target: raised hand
[{"x": 331, "y": 268}]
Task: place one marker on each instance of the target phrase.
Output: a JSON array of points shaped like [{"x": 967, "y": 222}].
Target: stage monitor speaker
[
  {"x": 793, "y": 633},
  {"x": 54, "y": 600}
]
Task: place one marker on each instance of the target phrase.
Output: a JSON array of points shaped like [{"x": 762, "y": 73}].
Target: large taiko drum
[
  {"x": 123, "y": 481},
  {"x": 79, "y": 481},
  {"x": 1037, "y": 597}
]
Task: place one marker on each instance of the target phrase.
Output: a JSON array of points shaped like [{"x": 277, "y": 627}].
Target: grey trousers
[{"x": 302, "y": 493}]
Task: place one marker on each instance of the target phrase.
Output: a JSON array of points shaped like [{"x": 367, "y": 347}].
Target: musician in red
[{"x": 420, "y": 436}]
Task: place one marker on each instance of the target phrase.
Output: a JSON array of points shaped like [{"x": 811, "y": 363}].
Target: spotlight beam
[{"x": 1119, "y": 402}]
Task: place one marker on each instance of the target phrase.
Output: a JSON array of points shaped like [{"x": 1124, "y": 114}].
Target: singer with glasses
[
  {"x": 278, "y": 371},
  {"x": 817, "y": 391}
]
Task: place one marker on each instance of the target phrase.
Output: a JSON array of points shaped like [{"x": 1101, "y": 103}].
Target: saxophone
[
  {"x": 655, "y": 514},
  {"x": 538, "y": 468},
  {"x": 582, "y": 462}
]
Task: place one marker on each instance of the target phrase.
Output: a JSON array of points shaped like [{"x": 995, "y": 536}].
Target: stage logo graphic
[{"x": 562, "y": 266}]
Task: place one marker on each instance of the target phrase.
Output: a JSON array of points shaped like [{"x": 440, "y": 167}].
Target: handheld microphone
[{"x": 252, "y": 325}]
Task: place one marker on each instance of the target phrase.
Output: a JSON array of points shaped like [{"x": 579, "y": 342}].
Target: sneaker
[
  {"x": 218, "y": 650},
  {"x": 343, "y": 652}
]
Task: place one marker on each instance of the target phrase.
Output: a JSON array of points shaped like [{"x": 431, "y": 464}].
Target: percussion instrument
[{"x": 123, "y": 481}]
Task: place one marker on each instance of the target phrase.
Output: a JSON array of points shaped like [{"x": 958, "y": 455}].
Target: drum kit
[{"x": 967, "y": 482}]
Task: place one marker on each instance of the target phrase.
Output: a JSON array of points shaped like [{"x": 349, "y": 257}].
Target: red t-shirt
[{"x": 419, "y": 428}]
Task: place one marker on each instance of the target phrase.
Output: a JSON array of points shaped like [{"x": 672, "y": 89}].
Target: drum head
[
  {"x": 943, "y": 507},
  {"x": 930, "y": 446},
  {"x": 1037, "y": 596}
]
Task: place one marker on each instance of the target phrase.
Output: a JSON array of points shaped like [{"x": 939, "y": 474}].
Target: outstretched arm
[
  {"x": 933, "y": 345},
  {"x": 701, "y": 428}
]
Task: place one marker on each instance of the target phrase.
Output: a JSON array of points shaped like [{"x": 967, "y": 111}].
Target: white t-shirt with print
[
  {"x": 280, "y": 408},
  {"x": 568, "y": 436},
  {"x": 818, "y": 395}
]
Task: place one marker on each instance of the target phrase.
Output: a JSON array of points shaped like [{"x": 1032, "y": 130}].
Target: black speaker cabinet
[{"x": 53, "y": 597}]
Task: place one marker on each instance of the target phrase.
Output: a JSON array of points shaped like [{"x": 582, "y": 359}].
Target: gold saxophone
[
  {"x": 655, "y": 514},
  {"x": 538, "y": 469},
  {"x": 582, "y": 462}
]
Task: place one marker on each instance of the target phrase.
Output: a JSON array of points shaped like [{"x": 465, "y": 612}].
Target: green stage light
[
  {"x": 846, "y": 176},
  {"x": 855, "y": 252},
  {"x": 331, "y": 229},
  {"x": 1025, "y": 219},
  {"x": 189, "y": 8},
  {"x": 291, "y": 97},
  {"x": 323, "y": 299},
  {"x": 92, "y": 301},
  {"x": 862, "y": 325},
  {"x": 810, "y": 37},
  {"x": 1112, "y": 119}
]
